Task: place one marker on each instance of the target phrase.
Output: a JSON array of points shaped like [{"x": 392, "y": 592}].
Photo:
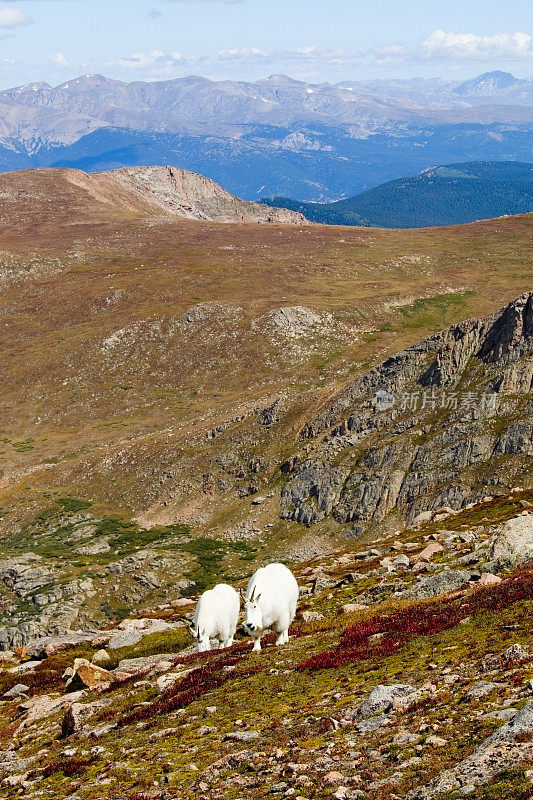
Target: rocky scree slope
[
  {"x": 408, "y": 676},
  {"x": 441, "y": 424}
]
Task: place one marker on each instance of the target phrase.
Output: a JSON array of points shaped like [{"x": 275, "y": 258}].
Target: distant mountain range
[
  {"x": 276, "y": 136},
  {"x": 445, "y": 195}
]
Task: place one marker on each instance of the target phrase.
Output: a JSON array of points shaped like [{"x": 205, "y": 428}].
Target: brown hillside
[{"x": 127, "y": 339}]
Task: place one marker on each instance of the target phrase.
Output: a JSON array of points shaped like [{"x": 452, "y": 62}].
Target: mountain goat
[
  {"x": 216, "y": 616},
  {"x": 270, "y": 603}
]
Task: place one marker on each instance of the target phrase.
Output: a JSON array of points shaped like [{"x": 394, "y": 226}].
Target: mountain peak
[
  {"x": 89, "y": 81},
  {"x": 488, "y": 83}
]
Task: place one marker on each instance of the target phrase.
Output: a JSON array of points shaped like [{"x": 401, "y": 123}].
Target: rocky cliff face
[
  {"x": 165, "y": 192},
  {"x": 442, "y": 423},
  {"x": 186, "y": 194}
]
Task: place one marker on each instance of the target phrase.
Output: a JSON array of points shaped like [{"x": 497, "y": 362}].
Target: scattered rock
[
  {"x": 498, "y": 752},
  {"x": 311, "y": 616},
  {"x": 351, "y": 608}
]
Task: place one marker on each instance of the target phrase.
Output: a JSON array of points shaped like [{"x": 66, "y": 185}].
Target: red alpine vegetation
[
  {"x": 190, "y": 688},
  {"x": 238, "y": 648},
  {"x": 74, "y": 765},
  {"x": 420, "y": 619}
]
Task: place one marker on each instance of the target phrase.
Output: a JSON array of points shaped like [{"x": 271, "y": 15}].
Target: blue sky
[{"x": 56, "y": 40}]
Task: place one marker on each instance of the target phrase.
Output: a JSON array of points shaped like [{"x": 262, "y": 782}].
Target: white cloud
[
  {"x": 390, "y": 51},
  {"x": 13, "y": 18},
  {"x": 317, "y": 62},
  {"x": 240, "y": 53},
  {"x": 157, "y": 61},
  {"x": 154, "y": 13},
  {"x": 469, "y": 46},
  {"x": 59, "y": 60}
]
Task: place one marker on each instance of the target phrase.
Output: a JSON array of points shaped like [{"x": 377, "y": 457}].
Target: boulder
[
  {"x": 351, "y": 608},
  {"x": 481, "y": 689},
  {"x": 101, "y": 658},
  {"x": 513, "y": 543},
  {"x": 24, "y": 668},
  {"x": 87, "y": 675},
  {"x": 428, "y": 552},
  {"x": 311, "y": 616},
  {"x": 442, "y": 583},
  {"x": 373, "y": 723},
  {"x": 511, "y": 656},
  {"x": 17, "y": 690},
  {"x": 76, "y": 716},
  {"x": 143, "y": 663},
  {"x": 44, "y": 706},
  {"x": 241, "y": 736},
  {"x": 48, "y": 645},
  {"x": 168, "y": 679},
  {"x": 131, "y": 631},
  {"x": 401, "y": 562},
  {"x": 381, "y": 699},
  {"x": 11, "y": 763},
  {"x": 25, "y": 574},
  {"x": 294, "y": 321},
  {"x": 436, "y": 741},
  {"x": 488, "y": 579},
  {"x": 182, "y": 602},
  {"x": 423, "y": 517}
]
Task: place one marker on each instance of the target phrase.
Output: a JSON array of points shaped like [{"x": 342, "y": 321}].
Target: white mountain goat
[
  {"x": 216, "y": 616},
  {"x": 270, "y": 603}
]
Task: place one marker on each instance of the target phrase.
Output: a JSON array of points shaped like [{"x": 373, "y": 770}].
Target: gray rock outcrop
[
  {"x": 498, "y": 752},
  {"x": 177, "y": 192},
  {"x": 459, "y": 427}
]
